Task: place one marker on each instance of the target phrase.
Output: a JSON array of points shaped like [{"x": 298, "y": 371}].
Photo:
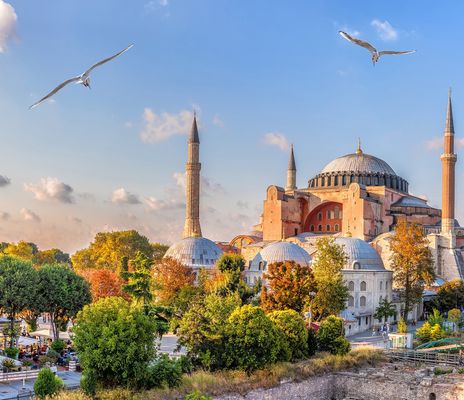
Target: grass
[
  {"x": 221, "y": 382},
  {"x": 442, "y": 371}
]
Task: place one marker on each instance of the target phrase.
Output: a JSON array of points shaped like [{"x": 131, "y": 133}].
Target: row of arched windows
[
  {"x": 393, "y": 182},
  {"x": 362, "y": 301},
  {"x": 363, "y": 286},
  {"x": 328, "y": 228}
]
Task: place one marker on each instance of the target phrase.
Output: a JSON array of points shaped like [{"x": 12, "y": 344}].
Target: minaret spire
[
  {"x": 448, "y": 161},
  {"x": 291, "y": 171},
  {"x": 192, "y": 188}
]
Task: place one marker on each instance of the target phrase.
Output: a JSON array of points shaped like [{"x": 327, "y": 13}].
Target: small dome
[
  {"x": 195, "y": 252},
  {"x": 280, "y": 252},
  {"x": 361, "y": 255},
  {"x": 359, "y": 163}
]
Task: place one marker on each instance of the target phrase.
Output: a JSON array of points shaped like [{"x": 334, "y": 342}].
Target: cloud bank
[
  {"x": 29, "y": 215},
  {"x": 51, "y": 189},
  {"x": 122, "y": 196}
]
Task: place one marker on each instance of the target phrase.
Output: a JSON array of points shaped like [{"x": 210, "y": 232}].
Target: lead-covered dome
[
  {"x": 360, "y": 254},
  {"x": 360, "y": 168},
  {"x": 195, "y": 252},
  {"x": 280, "y": 252}
]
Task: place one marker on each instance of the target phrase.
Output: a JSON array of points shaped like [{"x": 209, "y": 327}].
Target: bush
[
  {"x": 47, "y": 383},
  {"x": 58, "y": 345},
  {"x": 252, "y": 339},
  {"x": 53, "y": 354},
  {"x": 442, "y": 371},
  {"x": 11, "y": 352},
  {"x": 330, "y": 336},
  {"x": 402, "y": 326},
  {"x": 196, "y": 395},
  {"x": 89, "y": 384},
  {"x": 428, "y": 332},
  {"x": 164, "y": 373},
  {"x": 292, "y": 326},
  {"x": 8, "y": 363},
  {"x": 46, "y": 361},
  {"x": 312, "y": 342}
]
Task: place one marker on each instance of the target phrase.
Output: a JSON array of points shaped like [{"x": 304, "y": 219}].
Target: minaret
[
  {"x": 192, "y": 183},
  {"x": 448, "y": 161},
  {"x": 291, "y": 172}
]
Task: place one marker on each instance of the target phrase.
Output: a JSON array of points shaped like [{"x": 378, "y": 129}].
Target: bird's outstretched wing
[
  {"x": 58, "y": 88},
  {"x": 359, "y": 42},
  {"x": 106, "y": 60},
  {"x": 383, "y": 52}
]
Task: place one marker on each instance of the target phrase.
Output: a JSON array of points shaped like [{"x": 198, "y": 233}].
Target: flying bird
[
  {"x": 83, "y": 79},
  {"x": 375, "y": 54}
]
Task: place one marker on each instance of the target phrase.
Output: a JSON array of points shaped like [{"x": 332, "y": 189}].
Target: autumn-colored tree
[
  {"x": 288, "y": 285},
  {"x": 170, "y": 277},
  {"x": 104, "y": 283},
  {"x": 411, "y": 262},
  {"x": 22, "y": 249},
  {"x": 331, "y": 292},
  {"x": 450, "y": 295},
  {"x": 51, "y": 256}
]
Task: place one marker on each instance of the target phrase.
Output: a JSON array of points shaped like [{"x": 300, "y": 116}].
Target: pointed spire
[
  {"x": 449, "y": 128},
  {"x": 358, "y": 150},
  {"x": 291, "y": 161},
  {"x": 194, "y": 138}
]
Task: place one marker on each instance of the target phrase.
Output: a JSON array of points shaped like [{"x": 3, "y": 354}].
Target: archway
[{"x": 325, "y": 218}]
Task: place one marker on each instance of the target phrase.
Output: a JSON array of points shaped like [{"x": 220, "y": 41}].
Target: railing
[
  {"x": 425, "y": 357},
  {"x": 18, "y": 376}
]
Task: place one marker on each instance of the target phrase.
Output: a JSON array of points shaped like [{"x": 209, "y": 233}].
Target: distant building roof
[{"x": 408, "y": 201}]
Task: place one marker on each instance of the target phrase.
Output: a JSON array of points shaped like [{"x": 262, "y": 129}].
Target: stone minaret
[
  {"x": 291, "y": 172},
  {"x": 192, "y": 183},
  {"x": 448, "y": 161}
]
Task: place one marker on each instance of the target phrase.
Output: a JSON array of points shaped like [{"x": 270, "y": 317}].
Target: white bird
[
  {"x": 83, "y": 79},
  {"x": 375, "y": 54}
]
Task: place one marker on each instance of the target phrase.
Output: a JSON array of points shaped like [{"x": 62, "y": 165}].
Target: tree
[
  {"x": 47, "y": 384},
  {"x": 252, "y": 339},
  {"x": 330, "y": 336},
  {"x": 430, "y": 332},
  {"x": 384, "y": 310},
  {"x": 158, "y": 251},
  {"x": 139, "y": 281},
  {"x": 454, "y": 315},
  {"x": 202, "y": 330},
  {"x": 103, "y": 283},
  {"x": 288, "y": 285},
  {"x": 450, "y": 295},
  {"x": 171, "y": 276},
  {"x": 109, "y": 248},
  {"x": 51, "y": 256},
  {"x": 17, "y": 289},
  {"x": 331, "y": 291},
  {"x": 22, "y": 249},
  {"x": 411, "y": 262},
  {"x": 115, "y": 341},
  {"x": 293, "y": 328},
  {"x": 61, "y": 293}
]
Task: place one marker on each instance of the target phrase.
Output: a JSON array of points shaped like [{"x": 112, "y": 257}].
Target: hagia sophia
[{"x": 356, "y": 198}]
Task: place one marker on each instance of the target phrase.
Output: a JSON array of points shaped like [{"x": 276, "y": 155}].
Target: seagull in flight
[
  {"x": 375, "y": 54},
  {"x": 83, "y": 79}
]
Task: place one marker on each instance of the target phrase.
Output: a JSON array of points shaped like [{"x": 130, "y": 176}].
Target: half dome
[{"x": 195, "y": 252}]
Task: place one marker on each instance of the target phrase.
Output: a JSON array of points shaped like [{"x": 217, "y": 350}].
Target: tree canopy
[
  {"x": 103, "y": 283},
  {"x": 384, "y": 310},
  {"x": 450, "y": 295},
  {"x": 171, "y": 277},
  {"x": 30, "y": 252}
]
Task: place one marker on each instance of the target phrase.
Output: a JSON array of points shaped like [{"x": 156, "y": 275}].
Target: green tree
[
  {"x": 61, "y": 293},
  {"x": 330, "y": 336},
  {"x": 17, "y": 289},
  {"x": 51, "y": 256},
  {"x": 115, "y": 341},
  {"x": 109, "y": 248},
  {"x": 22, "y": 249},
  {"x": 252, "y": 339},
  {"x": 430, "y": 332},
  {"x": 331, "y": 291},
  {"x": 202, "y": 330},
  {"x": 292, "y": 326},
  {"x": 450, "y": 295},
  {"x": 454, "y": 315},
  {"x": 436, "y": 318},
  {"x": 47, "y": 384},
  {"x": 384, "y": 310},
  {"x": 288, "y": 286},
  {"x": 139, "y": 281},
  {"x": 158, "y": 251},
  {"x": 411, "y": 262}
]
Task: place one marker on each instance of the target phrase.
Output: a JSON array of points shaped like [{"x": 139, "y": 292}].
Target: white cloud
[
  {"x": 207, "y": 186},
  {"x": 277, "y": 139},
  {"x": 384, "y": 29},
  {"x": 4, "y": 180},
  {"x": 4, "y": 216},
  {"x": 218, "y": 121},
  {"x": 350, "y": 31},
  {"x": 122, "y": 196},
  {"x": 51, "y": 189},
  {"x": 8, "y": 20},
  {"x": 155, "y": 204},
  {"x": 242, "y": 204},
  {"x": 159, "y": 127},
  {"x": 29, "y": 215}
]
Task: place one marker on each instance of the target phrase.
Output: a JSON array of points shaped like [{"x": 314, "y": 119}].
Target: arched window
[
  {"x": 381, "y": 285},
  {"x": 363, "y": 286},
  {"x": 344, "y": 180},
  {"x": 328, "y": 214},
  {"x": 351, "y": 301},
  {"x": 336, "y": 180},
  {"x": 351, "y": 286},
  {"x": 362, "y": 301},
  {"x": 319, "y": 216},
  {"x": 329, "y": 181},
  {"x": 311, "y": 228},
  {"x": 323, "y": 181},
  {"x": 327, "y": 228},
  {"x": 319, "y": 228},
  {"x": 337, "y": 228},
  {"x": 386, "y": 285},
  {"x": 380, "y": 299},
  {"x": 261, "y": 265},
  {"x": 356, "y": 265}
]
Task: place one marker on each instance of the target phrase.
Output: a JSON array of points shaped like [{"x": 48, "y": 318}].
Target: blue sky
[{"x": 113, "y": 157}]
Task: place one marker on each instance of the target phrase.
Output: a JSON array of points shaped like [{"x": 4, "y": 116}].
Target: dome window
[{"x": 357, "y": 265}]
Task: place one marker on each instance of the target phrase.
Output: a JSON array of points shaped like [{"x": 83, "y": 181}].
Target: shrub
[
  {"x": 330, "y": 336},
  {"x": 402, "y": 326},
  {"x": 89, "y": 384},
  {"x": 8, "y": 363},
  {"x": 11, "y": 352},
  {"x": 164, "y": 373},
  {"x": 252, "y": 339},
  {"x": 442, "y": 371},
  {"x": 53, "y": 354},
  {"x": 292, "y": 325},
  {"x": 460, "y": 370},
  {"x": 312, "y": 342},
  {"x": 428, "y": 332},
  {"x": 196, "y": 395},
  {"x": 47, "y": 383},
  {"x": 46, "y": 361},
  {"x": 58, "y": 345}
]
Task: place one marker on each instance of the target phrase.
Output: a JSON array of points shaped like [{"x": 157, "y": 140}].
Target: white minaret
[{"x": 192, "y": 176}]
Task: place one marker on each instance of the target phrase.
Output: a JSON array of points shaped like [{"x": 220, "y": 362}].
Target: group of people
[{"x": 383, "y": 330}]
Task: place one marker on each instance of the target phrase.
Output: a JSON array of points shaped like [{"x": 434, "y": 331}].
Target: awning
[
  {"x": 47, "y": 334},
  {"x": 26, "y": 341}
]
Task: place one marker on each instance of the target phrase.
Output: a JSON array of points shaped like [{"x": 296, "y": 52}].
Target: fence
[
  {"x": 18, "y": 376},
  {"x": 426, "y": 357}
]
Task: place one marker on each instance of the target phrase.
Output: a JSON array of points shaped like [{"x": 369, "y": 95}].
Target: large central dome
[{"x": 359, "y": 163}]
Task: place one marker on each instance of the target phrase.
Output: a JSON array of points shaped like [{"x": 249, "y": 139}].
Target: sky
[{"x": 261, "y": 74}]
